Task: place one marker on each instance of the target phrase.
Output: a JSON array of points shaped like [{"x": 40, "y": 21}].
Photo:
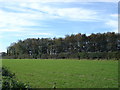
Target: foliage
[
  {"x": 7, "y": 73},
  {"x": 99, "y": 55},
  {"x": 9, "y": 80},
  {"x": 71, "y": 46}
]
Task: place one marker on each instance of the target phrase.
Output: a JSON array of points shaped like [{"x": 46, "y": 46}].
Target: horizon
[{"x": 28, "y": 20}]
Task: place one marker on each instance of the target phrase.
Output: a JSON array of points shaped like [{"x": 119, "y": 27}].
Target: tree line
[{"x": 81, "y": 46}]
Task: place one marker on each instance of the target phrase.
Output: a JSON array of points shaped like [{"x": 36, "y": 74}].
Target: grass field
[{"x": 65, "y": 73}]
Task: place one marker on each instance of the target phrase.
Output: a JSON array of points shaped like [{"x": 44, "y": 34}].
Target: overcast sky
[{"x": 50, "y": 18}]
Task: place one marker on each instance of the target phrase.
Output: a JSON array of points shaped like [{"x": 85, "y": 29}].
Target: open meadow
[{"x": 65, "y": 73}]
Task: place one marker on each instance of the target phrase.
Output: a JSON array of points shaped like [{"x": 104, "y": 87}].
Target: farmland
[{"x": 65, "y": 73}]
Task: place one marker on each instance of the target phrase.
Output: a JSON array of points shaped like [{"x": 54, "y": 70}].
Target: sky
[{"x": 55, "y": 18}]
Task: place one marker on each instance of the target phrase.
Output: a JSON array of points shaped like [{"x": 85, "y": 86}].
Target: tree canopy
[{"x": 72, "y": 46}]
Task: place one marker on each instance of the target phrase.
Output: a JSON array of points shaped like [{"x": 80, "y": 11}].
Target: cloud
[
  {"x": 75, "y": 14},
  {"x": 114, "y": 15},
  {"x": 17, "y": 15},
  {"x": 44, "y": 1},
  {"x": 13, "y": 29},
  {"x": 1, "y": 36},
  {"x": 33, "y": 14},
  {"x": 14, "y": 19},
  {"x": 45, "y": 11},
  {"x": 33, "y": 34},
  {"x": 113, "y": 22}
]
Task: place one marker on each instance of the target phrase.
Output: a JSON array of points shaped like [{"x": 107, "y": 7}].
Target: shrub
[
  {"x": 99, "y": 55},
  {"x": 7, "y": 73},
  {"x": 83, "y": 55},
  {"x": 44, "y": 56},
  {"x": 9, "y": 81},
  {"x": 62, "y": 55}
]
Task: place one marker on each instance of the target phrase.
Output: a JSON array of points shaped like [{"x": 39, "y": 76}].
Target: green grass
[{"x": 65, "y": 73}]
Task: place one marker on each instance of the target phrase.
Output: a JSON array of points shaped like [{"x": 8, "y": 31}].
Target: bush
[
  {"x": 44, "y": 56},
  {"x": 62, "y": 55},
  {"x": 113, "y": 55},
  {"x": 83, "y": 55},
  {"x": 99, "y": 55},
  {"x": 53, "y": 56},
  {"x": 9, "y": 81},
  {"x": 118, "y": 55},
  {"x": 7, "y": 73}
]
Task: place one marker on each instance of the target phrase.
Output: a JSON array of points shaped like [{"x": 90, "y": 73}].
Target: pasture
[{"x": 65, "y": 73}]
